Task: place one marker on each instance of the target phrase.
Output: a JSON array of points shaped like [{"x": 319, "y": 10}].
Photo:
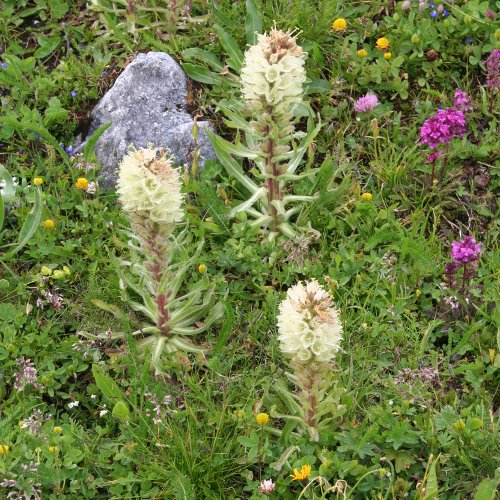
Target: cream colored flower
[
  {"x": 149, "y": 186},
  {"x": 308, "y": 323},
  {"x": 273, "y": 72}
]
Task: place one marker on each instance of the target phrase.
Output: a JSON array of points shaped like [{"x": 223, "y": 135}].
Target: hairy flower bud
[
  {"x": 149, "y": 186},
  {"x": 308, "y": 323},
  {"x": 273, "y": 72}
]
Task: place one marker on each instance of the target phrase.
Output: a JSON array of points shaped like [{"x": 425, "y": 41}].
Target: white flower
[
  {"x": 149, "y": 186},
  {"x": 308, "y": 323},
  {"x": 73, "y": 404},
  {"x": 273, "y": 72},
  {"x": 102, "y": 413},
  {"x": 267, "y": 486}
]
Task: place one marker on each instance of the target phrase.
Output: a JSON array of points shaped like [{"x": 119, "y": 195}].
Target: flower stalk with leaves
[
  {"x": 310, "y": 333},
  {"x": 272, "y": 79},
  {"x": 149, "y": 190}
]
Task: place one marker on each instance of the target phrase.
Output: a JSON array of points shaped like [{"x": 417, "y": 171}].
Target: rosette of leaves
[
  {"x": 272, "y": 79},
  {"x": 150, "y": 281}
]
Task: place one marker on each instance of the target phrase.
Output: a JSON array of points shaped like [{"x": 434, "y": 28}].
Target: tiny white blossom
[
  {"x": 103, "y": 412},
  {"x": 73, "y": 404}
]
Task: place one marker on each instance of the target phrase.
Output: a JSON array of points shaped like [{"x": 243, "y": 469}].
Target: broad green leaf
[
  {"x": 202, "y": 75},
  {"x": 8, "y": 190},
  {"x": 253, "y": 23},
  {"x": 232, "y": 167},
  {"x": 486, "y": 490},
  {"x": 317, "y": 87},
  {"x": 231, "y": 47},
  {"x": 205, "y": 56},
  {"x": 30, "y": 224},
  {"x": 106, "y": 384},
  {"x": 182, "y": 486},
  {"x": 47, "y": 45},
  {"x": 121, "y": 411}
]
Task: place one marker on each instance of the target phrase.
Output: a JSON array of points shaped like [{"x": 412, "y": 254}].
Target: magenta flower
[
  {"x": 493, "y": 67},
  {"x": 462, "y": 101},
  {"x": 442, "y": 127},
  {"x": 467, "y": 250},
  {"x": 366, "y": 103},
  {"x": 434, "y": 156}
]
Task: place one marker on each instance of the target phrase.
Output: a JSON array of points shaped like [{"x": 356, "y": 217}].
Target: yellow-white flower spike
[
  {"x": 149, "y": 186},
  {"x": 273, "y": 72},
  {"x": 308, "y": 324}
]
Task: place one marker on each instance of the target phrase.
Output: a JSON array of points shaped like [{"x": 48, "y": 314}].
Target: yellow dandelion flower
[
  {"x": 49, "y": 224},
  {"x": 37, "y": 181},
  {"x": 304, "y": 473},
  {"x": 82, "y": 183},
  {"x": 382, "y": 43},
  {"x": 367, "y": 197},
  {"x": 202, "y": 268},
  {"x": 362, "y": 53},
  {"x": 339, "y": 24},
  {"x": 387, "y": 56},
  {"x": 262, "y": 418}
]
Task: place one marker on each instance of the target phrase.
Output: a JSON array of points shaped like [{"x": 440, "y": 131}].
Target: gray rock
[{"x": 147, "y": 104}]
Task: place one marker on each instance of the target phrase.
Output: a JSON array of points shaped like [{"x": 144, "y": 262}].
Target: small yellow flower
[
  {"x": 202, "y": 268},
  {"x": 362, "y": 53},
  {"x": 20, "y": 424},
  {"x": 58, "y": 274},
  {"x": 57, "y": 430},
  {"x": 37, "y": 181},
  {"x": 4, "y": 450},
  {"x": 304, "y": 473},
  {"x": 54, "y": 449},
  {"x": 46, "y": 271},
  {"x": 49, "y": 224},
  {"x": 367, "y": 197},
  {"x": 339, "y": 24},
  {"x": 262, "y": 418},
  {"x": 459, "y": 426},
  {"x": 382, "y": 43},
  {"x": 418, "y": 292},
  {"x": 82, "y": 183},
  {"x": 387, "y": 56},
  {"x": 240, "y": 413},
  {"x": 67, "y": 270},
  {"x": 497, "y": 34}
]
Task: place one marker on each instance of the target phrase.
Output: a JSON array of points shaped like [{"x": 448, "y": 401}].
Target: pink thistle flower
[
  {"x": 493, "y": 67},
  {"x": 366, "y": 104},
  {"x": 442, "y": 127},
  {"x": 462, "y": 101},
  {"x": 467, "y": 250},
  {"x": 267, "y": 486}
]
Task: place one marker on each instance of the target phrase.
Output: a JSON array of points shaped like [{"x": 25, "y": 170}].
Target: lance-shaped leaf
[
  {"x": 302, "y": 149},
  {"x": 261, "y": 192}
]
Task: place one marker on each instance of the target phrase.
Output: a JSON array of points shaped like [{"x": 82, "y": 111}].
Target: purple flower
[
  {"x": 434, "y": 14},
  {"x": 440, "y": 8},
  {"x": 493, "y": 67},
  {"x": 74, "y": 93},
  {"x": 104, "y": 73},
  {"x": 462, "y": 101},
  {"x": 69, "y": 149},
  {"x": 442, "y": 127},
  {"x": 422, "y": 6},
  {"x": 467, "y": 250},
  {"x": 434, "y": 156},
  {"x": 4, "y": 64},
  {"x": 406, "y": 5},
  {"x": 445, "y": 13},
  {"x": 366, "y": 103},
  {"x": 468, "y": 40}
]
